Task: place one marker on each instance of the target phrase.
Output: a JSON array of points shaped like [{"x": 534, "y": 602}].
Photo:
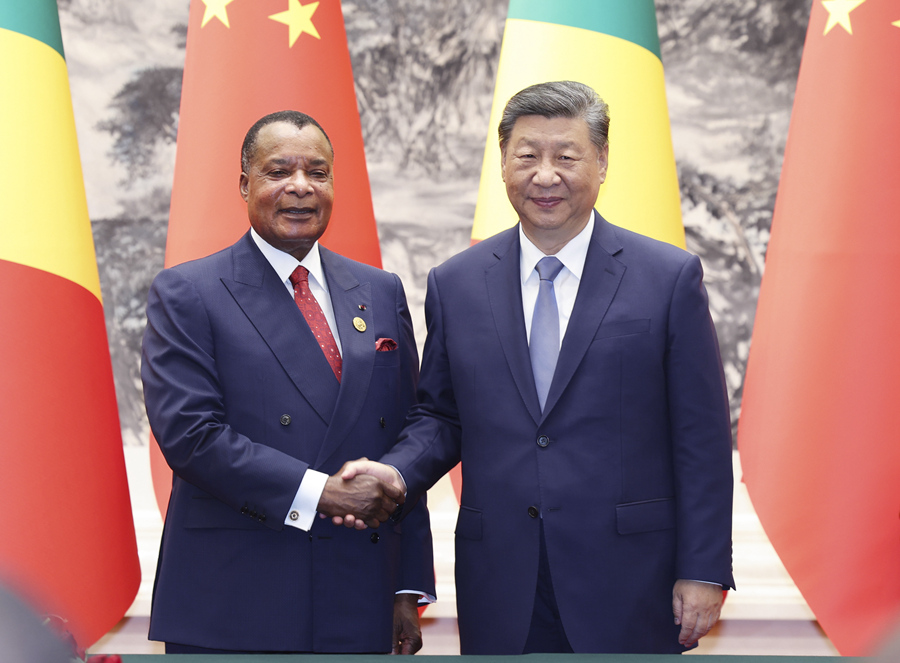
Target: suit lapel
[
  {"x": 506, "y": 306},
  {"x": 268, "y": 305},
  {"x": 350, "y": 299},
  {"x": 599, "y": 282}
]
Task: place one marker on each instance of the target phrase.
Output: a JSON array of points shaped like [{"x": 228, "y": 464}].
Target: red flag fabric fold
[{"x": 817, "y": 433}]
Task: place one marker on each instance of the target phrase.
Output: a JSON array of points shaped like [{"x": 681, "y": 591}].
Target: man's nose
[
  {"x": 546, "y": 174},
  {"x": 299, "y": 183}
]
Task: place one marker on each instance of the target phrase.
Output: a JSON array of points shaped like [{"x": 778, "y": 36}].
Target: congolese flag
[
  {"x": 613, "y": 46},
  {"x": 245, "y": 59},
  {"x": 67, "y": 542},
  {"x": 818, "y": 433}
]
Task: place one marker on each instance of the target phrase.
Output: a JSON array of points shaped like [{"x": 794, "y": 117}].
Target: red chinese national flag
[
  {"x": 246, "y": 59},
  {"x": 818, "y": 431}
]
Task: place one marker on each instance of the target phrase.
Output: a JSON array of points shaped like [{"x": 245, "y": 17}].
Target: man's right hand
[
  {"x": 356, "y": 469},
  {"x": 364, "y": 499}
]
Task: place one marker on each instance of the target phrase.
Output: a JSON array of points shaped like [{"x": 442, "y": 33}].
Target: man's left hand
[
  {"x": 407, "y": 633},
  {"x": 696, "y": 606}
]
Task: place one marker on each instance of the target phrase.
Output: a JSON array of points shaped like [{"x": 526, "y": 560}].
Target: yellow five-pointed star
[
  {"x": 299, "y": 19},
  {"x": 216, "y": 9},
  {"x": 839, "y": 13},
  {"x": 896, "y": 23}
]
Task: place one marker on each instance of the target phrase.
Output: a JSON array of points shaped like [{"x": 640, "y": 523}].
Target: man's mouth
[
  {"x": 547, "y": 202},
  {"x": 298, "y": 211}
]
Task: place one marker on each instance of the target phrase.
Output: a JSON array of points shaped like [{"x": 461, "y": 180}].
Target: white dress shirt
[{"x": 572, "y": 256}]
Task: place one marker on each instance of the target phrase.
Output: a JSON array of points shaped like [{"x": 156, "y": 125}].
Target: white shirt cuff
[
  {"x": 424, "y": 598},
  {"x": 302, "y": 513}
]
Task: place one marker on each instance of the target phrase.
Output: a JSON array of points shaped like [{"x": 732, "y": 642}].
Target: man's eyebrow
[
  {"x": 284, "y": 161},
  {"x": 537, "y": 143}
]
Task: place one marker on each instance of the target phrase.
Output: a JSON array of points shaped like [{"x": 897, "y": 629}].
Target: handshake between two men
[{"x": 362, "y": 494}]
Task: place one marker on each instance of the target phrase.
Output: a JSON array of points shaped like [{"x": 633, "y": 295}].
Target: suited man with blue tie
[
  {"x": 572, "y": 367},
  {"x": 266, "y": 367}
]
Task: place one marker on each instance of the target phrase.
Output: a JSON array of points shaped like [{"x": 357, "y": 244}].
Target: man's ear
[
  {"x": 604, "y": 162},
  {"x": 503, "y": 164},
  {"x": 244, "y": 186}
]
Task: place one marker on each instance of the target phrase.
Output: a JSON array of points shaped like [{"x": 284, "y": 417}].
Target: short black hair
[{"x": 296, "y": 118}]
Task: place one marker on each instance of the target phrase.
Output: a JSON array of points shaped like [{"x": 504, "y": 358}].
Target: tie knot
[
  {"x": 547, "y": 268},
  {"x": 299, "y": 275}
]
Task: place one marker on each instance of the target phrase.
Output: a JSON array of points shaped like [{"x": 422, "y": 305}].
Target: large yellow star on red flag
[
  {"x": 299, "y": 19},
  {"x": 216, "y": 9},
  {"x": 839, "y": 13}
]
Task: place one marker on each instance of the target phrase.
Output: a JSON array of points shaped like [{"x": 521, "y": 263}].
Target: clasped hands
[{"x": 362, "y": 494}]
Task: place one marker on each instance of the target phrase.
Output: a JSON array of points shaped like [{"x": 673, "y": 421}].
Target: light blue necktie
[{"x": 544, "y": 344}]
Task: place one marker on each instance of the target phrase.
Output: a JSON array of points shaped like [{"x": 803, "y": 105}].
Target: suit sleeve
[
  {"x": 417, "y": 551},
  {"x": 701, "y": 434},
  {"x": 429, "y": 445},
  {"x": 186, "y": 410}
]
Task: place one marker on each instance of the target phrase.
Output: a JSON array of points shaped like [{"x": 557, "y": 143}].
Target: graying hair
[{"x": 558, "y": 99}]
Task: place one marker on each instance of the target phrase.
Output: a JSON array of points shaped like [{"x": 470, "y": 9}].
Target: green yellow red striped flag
[
  {"x": 613, "y": 46},
  {"x": 68, "y": 543}
]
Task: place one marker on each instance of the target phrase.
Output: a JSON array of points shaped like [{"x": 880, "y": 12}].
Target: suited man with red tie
[
  {"x": 266, "y": 367},
  {"x": 572, "y": 367}
]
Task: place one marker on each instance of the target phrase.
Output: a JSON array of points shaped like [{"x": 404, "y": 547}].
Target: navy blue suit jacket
[
  {"x": 242, "y": 402},
  {"x": 629, "y": 466}
]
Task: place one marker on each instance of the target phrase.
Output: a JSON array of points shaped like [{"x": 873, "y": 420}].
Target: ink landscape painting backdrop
[{"x": 424, "y": 72}]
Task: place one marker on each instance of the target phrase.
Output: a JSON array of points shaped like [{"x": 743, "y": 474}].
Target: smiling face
[
  {"x": 289, "y": 189},
  {"x": 553, "y": 174}
]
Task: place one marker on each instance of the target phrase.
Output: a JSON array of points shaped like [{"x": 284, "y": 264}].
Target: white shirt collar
[
  {"x": 284, "y": 263},
  {"x": 572, "y": 255}
]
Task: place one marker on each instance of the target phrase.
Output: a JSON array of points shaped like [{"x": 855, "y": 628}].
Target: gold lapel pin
[{"x": 360, "y": 324}]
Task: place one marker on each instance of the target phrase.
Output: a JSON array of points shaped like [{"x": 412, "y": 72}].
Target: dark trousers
[
  {"x": 175, "y": 648},
  {"x": 546, "y": 634}
]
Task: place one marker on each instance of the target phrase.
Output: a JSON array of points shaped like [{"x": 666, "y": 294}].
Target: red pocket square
[{"x": 385, "y": 345}]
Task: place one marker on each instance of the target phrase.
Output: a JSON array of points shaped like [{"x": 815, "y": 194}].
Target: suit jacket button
[
  {"x": 285, "y": 419},
  {"x": 543, "y": 441},
  {"x": 374, "y": 538},
  {"x": 262, "y": 517},
  {"x": 293, "y": 515},
  {"x": 532, "y": 511},
  {"x": 245, "y": 509}
]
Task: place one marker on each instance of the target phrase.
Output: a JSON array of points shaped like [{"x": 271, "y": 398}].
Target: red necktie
[{"x": 315, "y": 318}]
